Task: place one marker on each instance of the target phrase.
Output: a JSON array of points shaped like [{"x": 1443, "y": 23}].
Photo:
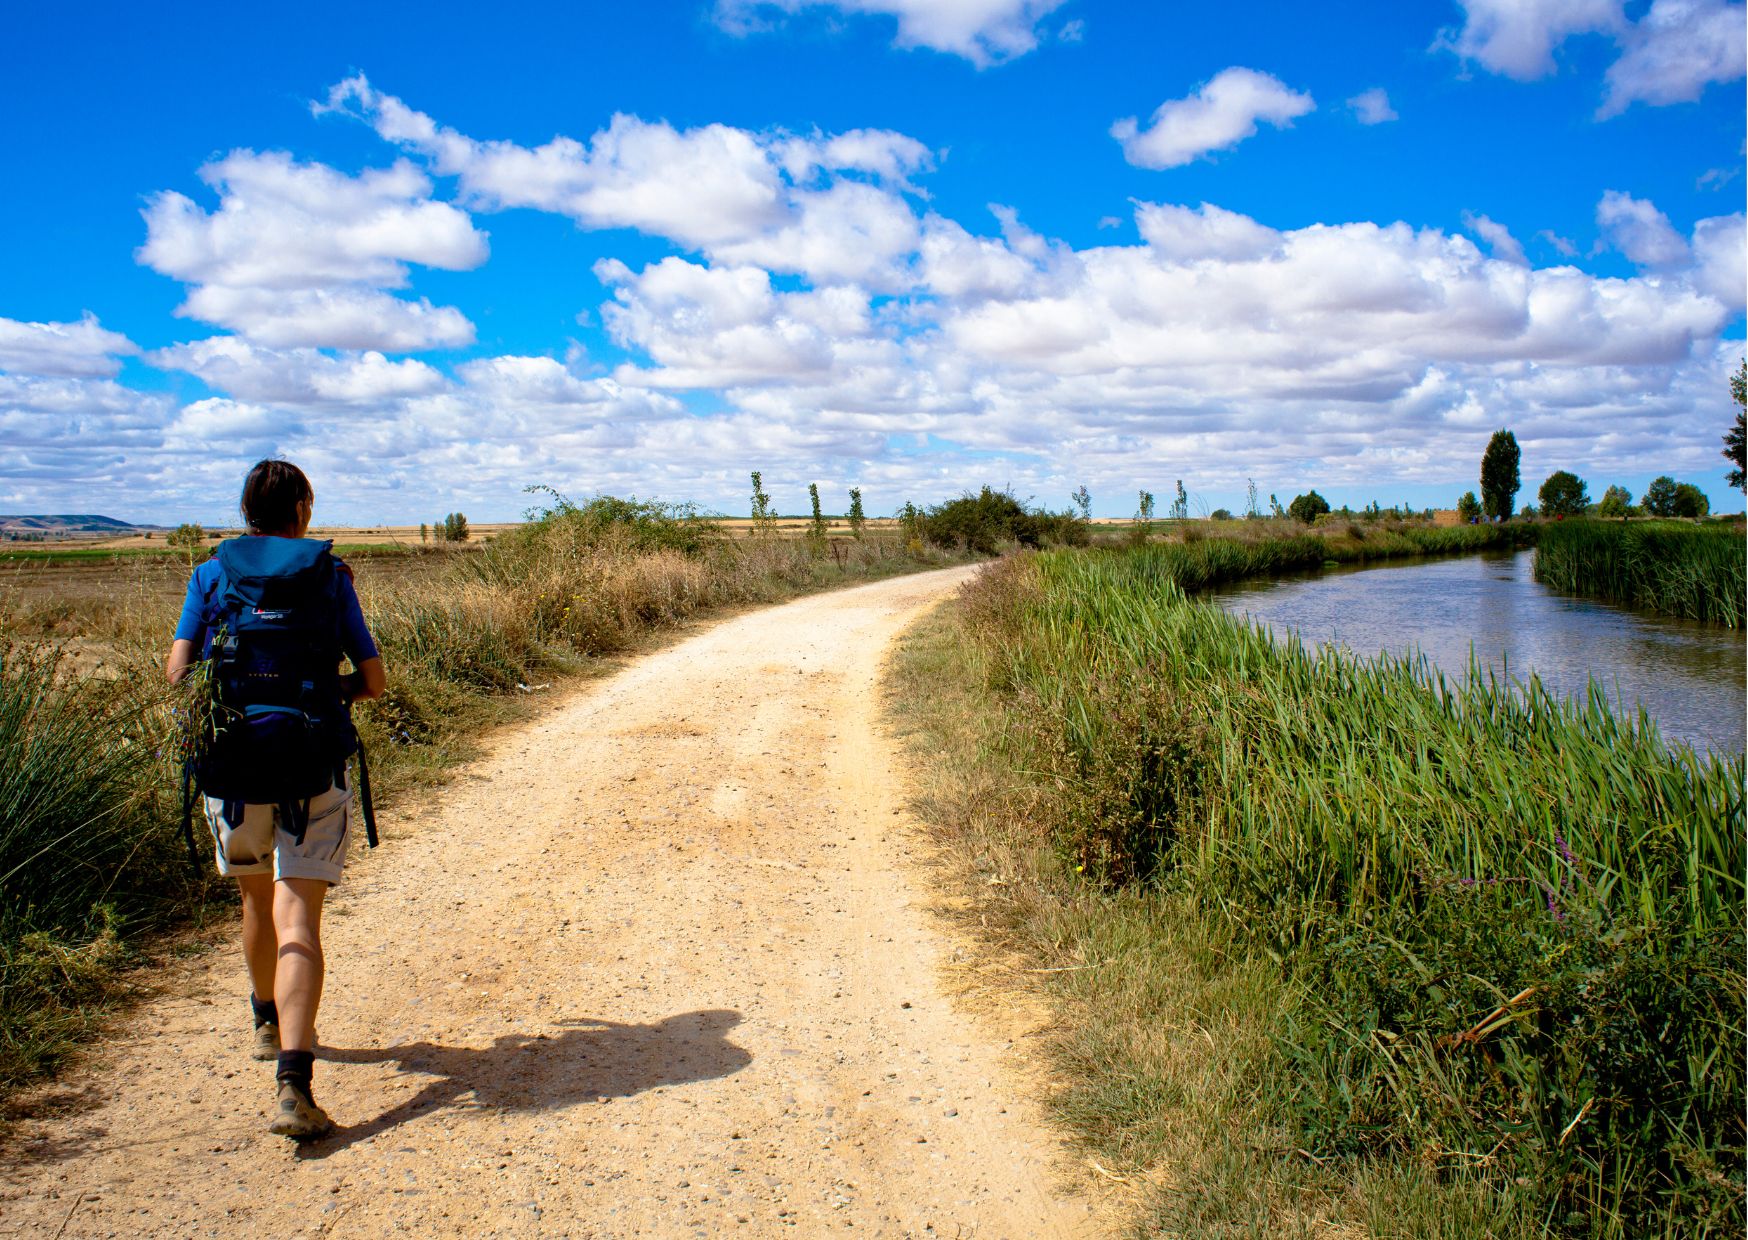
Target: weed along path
[{"x": 657, "y": 965}]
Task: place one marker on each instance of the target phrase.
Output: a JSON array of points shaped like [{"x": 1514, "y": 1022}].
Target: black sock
[
  {"x": 266, "y": 1012},
  {"x": 296, "y": 1067}
]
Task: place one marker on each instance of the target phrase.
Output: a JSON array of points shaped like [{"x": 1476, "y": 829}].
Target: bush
[
  {"x": 984, "y": 522},
  {"x": 1468, "y": 508},
  {"x": 187, "y": 536}
]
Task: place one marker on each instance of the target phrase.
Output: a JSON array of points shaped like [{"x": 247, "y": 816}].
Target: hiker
[{"x": 272, "y": 776}]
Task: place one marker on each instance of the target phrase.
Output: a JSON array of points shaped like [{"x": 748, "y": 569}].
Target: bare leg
[
  {"x": 297, "y": 918},
  {"x": 260, "y": 941}
]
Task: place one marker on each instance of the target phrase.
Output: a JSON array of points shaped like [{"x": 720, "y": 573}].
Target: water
[{"x": 1689, "y": 677}]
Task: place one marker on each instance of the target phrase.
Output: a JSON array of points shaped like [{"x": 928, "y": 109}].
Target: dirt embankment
[{"x": 659, "y": 965}]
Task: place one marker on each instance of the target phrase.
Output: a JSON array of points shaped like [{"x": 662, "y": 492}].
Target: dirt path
[{"x": 657, "y": 966}]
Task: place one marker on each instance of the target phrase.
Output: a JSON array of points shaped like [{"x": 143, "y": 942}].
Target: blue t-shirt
[{"x": 201, "y": 602}]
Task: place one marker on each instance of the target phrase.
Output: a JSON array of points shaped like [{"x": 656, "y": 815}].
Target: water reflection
[{"x": 1688, "y": 676}]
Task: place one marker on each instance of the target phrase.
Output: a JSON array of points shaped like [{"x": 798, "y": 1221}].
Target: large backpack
[{"x": 273, "y": 726}]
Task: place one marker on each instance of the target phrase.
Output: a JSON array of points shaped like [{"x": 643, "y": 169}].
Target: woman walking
[{"x": 270, "y": 615}]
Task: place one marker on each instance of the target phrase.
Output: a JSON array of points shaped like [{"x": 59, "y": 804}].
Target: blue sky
[{"x": 436, "y": 255}]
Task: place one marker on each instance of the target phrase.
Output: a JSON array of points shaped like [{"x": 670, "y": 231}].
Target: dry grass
[{"x": 468, "y": 640}]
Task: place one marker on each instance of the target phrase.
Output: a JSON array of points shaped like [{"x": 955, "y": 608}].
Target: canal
[{"x": 1688, "y": 677}]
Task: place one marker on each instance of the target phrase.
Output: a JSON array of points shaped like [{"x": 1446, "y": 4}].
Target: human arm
[
  {"x": 182, "y": 657},
  {"x": 368, "y": 681},
  {"x": 185, "y": 647}
]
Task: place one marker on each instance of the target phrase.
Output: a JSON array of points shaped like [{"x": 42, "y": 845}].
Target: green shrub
[{"x": 984, "y": 522}]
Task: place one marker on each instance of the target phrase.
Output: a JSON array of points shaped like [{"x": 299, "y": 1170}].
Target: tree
[
  {"x": 1220, "y": 514},
  {"x": 911, "y": 527},
  {"x": 1251, "y": 510},
  {"x": 1660, "y": 497},
  {"x": 1180, "y": 507},
  {"x": 1083, "y": 502},
  {"x": 1305, "y": 509},
  {"x": 856, "y": 517},
  {"x": 1689, "y": 501},
  {"x": 1736, "y": 442},
  {"x": 763, "y": 518},
  {"x": 1563, "y": 495},
  {"x": 1468, "y": 508},
  {"x": 452, "y": 528},
  {"x": 816, "y": 524},
  {"x": 1275, "y": 509},
  {"x": 1499, "y": 480},
  {"x": 424, "y": 532},
  {"x": 1616, "y": 502},
  {"x": 1143, "y": 527}
]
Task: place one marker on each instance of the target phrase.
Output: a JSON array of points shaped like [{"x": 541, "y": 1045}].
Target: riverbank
[
  {"x": 1696, "y": 572},
  {"x": 93, "y": 870},
  {"x": 1333, "y": 939}
]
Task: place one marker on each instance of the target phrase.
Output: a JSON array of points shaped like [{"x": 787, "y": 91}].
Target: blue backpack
[{"x": 275, "y": 728}]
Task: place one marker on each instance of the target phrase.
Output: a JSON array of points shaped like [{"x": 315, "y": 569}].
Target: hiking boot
[
  {"x": 297, "y": 1116},
  {"x": 266, "y": 1042}
]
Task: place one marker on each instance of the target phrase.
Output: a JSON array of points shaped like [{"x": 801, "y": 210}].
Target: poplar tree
[{"x": 1499, "y": 479}]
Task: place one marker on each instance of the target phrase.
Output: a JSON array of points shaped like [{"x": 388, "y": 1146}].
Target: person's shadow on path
[{"x": 533, "y": 1072}]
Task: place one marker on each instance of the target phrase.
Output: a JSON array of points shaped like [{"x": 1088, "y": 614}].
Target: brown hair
[{"x": 271, "y": 494}]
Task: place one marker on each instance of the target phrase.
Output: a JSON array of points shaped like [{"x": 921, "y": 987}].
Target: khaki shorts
[{"x": 251, "y": 839}]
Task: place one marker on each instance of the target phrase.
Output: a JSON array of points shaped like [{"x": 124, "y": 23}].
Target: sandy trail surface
[{"x": 659, "y": 964}]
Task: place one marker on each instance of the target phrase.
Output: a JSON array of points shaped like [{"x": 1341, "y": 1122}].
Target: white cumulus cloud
[
  {"x": 776, "y": 200},
  {"x": 297, "y": 253},
  {"x": 1719, "y": 266},
  {"x": 82, "y": 349},
  {"x": 699, "y": 186},
  {"x": 1670, "y": 55},
  {"x": 283, "y": 224},
  {"x": 337, "y": 318},
  {"x": 982, "y": 31},
  {"x": 1221, "y": 114},
  {"x": 298, "y": 376},
  {"x": 1497, "y": 236},
  {"x": 1675, "y": 51},
  {"x": 1372, "y": 107},
  {"x": 1640, "y": 231},
  {"x": 1517, "y": 38}
]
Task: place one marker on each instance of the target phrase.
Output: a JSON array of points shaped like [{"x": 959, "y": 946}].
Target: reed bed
[
  {"x": 1697, "y": 572},
  {"x": 1500, "y": 932},
  {"x": 92, "y": 866}
]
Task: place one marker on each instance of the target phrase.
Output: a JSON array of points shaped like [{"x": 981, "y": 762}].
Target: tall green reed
[
  {"x": 1515, "y": 920},
  {"x": 88, "y": 849},
  {"x": 1698, "y": 572}
]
